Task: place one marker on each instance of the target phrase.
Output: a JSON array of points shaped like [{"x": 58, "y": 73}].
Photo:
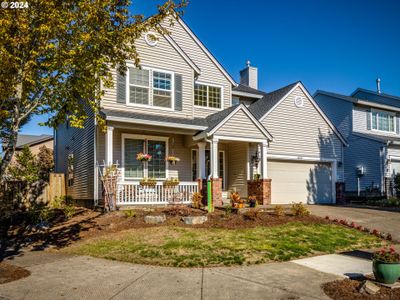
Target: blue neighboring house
[{"x": 370, "y": 121}]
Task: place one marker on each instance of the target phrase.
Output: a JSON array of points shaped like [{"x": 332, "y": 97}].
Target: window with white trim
[
  {"x": 155, "y": 168},
  {"x": 207, "y": 96},
  {"x": 150, "y": 87},
  {"x": 383, "y": 121}
]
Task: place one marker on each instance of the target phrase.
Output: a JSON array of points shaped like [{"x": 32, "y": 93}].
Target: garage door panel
[{"x": 300, "y": 182}]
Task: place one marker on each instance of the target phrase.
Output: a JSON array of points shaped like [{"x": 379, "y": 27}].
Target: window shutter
[
  {"x": 121, "y": 88},
  {"x": 178, "y": 92},
  {"x": 368, "y": 119},
  {"x": 397, "y": 121}
]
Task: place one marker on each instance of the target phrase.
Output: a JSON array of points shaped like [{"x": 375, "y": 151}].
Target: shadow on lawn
[{"x": 60, "y": 233}]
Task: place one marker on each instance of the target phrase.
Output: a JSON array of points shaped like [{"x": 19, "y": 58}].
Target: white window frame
[
  {"x": 197, "y": 165},
  {"x": 377, "y": 121},
  {"x": 145, "y": 138},
  {"x": 208, "y": 85},
  {"x": 151, "y": 88}
]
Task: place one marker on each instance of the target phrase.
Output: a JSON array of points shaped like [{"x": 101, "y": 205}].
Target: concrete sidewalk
[{"x": 56, "y": 276}]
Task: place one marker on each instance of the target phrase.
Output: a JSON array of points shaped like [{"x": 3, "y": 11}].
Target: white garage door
[{"x": 300, "y": 182}]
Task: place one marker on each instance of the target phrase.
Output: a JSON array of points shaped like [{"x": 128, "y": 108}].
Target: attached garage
[{"x": 306, "y": 182}]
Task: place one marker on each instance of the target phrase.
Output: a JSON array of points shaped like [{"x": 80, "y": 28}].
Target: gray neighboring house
[
  {"x": 183, "y": 103},
  {"x": 370, "y": 122}
]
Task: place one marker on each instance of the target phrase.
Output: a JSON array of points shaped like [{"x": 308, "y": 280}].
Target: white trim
[
  {"x": 223, "y": 168},
  {"x": 150, "y": 88},
  {"x": 109, "y": 146},
  {"x": 264, "y": 160},
  {"x": 246, "y": 94},
  {"x": 201, "y": 45},
  {"x": 213, "y": 85},
  {"x": 155, "y": 123},
  {"x": 311, "y": 159},
  {"x": 201, "y": 160},
  {"x": 144, "y": 138},
  {"x": 300, "y": 85},
  {"x": 251, "y": 117},
  {"x": 239, "y": 139},
  {"x": 182, "y": 53},
  {"x": 393, "y": 114},
  {"x": 149, "y": 42}
]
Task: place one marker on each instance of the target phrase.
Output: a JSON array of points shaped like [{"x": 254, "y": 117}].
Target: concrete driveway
[
  {"x": 56, "y": 276},
  {"x": 385, "y": 221}
]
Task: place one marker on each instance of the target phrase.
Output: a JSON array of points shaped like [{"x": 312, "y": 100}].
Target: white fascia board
[
  {"x": 208, "y": 53},
  {"x": 300, "y": 158},
  {"x": 155, "y": 123},
  {"x": 245, "y": 94}
]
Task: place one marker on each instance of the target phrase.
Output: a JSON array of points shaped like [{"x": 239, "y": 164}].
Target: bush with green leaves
[
  {"x": 298, "y": 209},
  {"x": 129, "y": 213},
  {"x": 69, "y": 211}
]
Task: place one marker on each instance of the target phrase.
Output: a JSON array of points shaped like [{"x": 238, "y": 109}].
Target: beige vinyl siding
[
  {"x": 302, "y": 131},
  {"x": 80, "y": 143},
  {"x": 300, "y": 182},
  {"x": 237, "y": 167},
  {"x": 162, "y": 56},
  {"x": 240, "y": 125},
  {"x": 209, "y": 71}
]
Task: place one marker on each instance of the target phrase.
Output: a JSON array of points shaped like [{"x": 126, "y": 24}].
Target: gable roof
[
  {"x": 31, "y": 140},
  {"x": 246, "y": 91},
  {"x": 268, "y": 103},
  {"x": 366, "y": 102},
  {"x": 215, "y": 121},
  {"x": 381, "y": 98},
  {"x": 206, "y": 51}
]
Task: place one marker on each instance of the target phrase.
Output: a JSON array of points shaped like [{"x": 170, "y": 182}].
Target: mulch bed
[
  {"x": 10, "y": 273},
  {"x": 349, "y": 290}
]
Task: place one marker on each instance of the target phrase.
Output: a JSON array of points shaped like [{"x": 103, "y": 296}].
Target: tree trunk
[{"x": 9, "y": 150}]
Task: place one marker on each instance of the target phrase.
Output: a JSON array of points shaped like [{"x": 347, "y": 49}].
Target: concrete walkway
[
  {"x": 56, "y": 276},
  {"x": 385, "y": 221}
]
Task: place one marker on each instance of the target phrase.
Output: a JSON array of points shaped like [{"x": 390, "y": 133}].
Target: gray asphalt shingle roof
[
  {"x": 246, "y": 89},
  {"x": 25, "y": 139},
  {"x": 263, "y": 105}
]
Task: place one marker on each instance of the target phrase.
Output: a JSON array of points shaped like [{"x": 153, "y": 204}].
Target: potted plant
[
  {"x": 173, "y": 159},
  {"x": 252, "y": 201},
  {"x": 235, "y": 199},
  {"x": 386, "y": 265},
  {"x": 150, "y": 182},
  {"x": 143, "y": 157},
  {"x": 171, "y": 182}
]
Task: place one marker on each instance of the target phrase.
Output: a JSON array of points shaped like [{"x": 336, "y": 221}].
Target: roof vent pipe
[{"x": 378, "y": 85}]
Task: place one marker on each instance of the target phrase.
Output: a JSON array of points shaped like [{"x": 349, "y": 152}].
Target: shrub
[
  {"x": 228, "y": 210},
  {"x": 69, "y": 211},
  {"x": 197, "y": 200},
  {"x": 298, "y": 209},
  {"x": 279, "y": 210},
  {"x": 57, "y": 203},
  {"x": 39, "y": 213},
  {"x": 252, "y": 201},
  {"x": 129, "y": 213},
  {"x": 252, "y": 214}
]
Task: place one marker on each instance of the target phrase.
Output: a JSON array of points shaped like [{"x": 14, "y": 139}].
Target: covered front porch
[{"x": 182, "y": 161}]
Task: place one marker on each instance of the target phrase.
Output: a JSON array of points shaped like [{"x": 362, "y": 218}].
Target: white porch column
[
  {"x": 201, "y": 161},
  {"x": 264, "y": 169},
  {"x": 214, "y": 158},
  {"x": 109, "y": 145}
]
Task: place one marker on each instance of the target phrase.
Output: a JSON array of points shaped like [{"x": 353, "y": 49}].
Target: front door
[{"x": 221, "y": 165}]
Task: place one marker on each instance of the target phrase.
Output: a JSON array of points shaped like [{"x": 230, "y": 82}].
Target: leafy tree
[
  {"x": 55, "y": 55},
  {"x": 25, "y": 168},
  {"x": 45, "y": 162}
]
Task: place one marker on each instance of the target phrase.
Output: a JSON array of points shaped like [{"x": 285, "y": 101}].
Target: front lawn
[{"x": 195, "y": 247}]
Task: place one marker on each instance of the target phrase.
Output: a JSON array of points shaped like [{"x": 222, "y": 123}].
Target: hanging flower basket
[
  {"x": 171, "y": 182},
  {"x": 149, "y": 182},
  {"x": 172, "y": 159},
  {"x": 143, "y": 157}
]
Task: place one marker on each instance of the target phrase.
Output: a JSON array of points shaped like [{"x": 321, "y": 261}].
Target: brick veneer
[
  {"x": 216, "y": 190},
  {"x": 261, "y": 189}
]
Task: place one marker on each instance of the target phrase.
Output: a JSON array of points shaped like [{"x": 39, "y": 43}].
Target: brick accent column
[
  {"x": 340, "y": 193},
  {"x": 261, "y": 189},
  {"x": 216, "y": 190}
]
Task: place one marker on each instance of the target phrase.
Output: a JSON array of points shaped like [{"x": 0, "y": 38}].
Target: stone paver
[
  {"x": 386, "y": 221},
  {"x": 80, "y": 277}
]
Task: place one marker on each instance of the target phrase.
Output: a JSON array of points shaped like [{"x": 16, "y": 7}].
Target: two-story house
[
  {"x": 370, "y": 123},
  {"x": 278, "y": 146}
]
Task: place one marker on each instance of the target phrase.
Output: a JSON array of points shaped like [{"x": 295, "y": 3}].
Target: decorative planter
[{"x": 386, "y": 272}]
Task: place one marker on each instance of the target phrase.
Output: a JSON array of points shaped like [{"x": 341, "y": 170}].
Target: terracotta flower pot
[{"x": 386, "y": 272}]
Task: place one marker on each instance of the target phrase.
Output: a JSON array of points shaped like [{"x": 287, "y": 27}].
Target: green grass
[{"x": 195, "y": 247}]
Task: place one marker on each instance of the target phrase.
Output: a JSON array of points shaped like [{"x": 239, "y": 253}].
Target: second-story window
[
  {"x": 150, "y": 87},
  {"x": 207, "y": 96},
  {"x": 383, "y": 121}
]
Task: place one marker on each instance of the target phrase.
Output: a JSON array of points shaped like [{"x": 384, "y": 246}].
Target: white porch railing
[{"x": 131, "y": 193}]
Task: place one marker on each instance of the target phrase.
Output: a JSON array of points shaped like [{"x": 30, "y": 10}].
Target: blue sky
[{"x": 330, "y": 45}]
